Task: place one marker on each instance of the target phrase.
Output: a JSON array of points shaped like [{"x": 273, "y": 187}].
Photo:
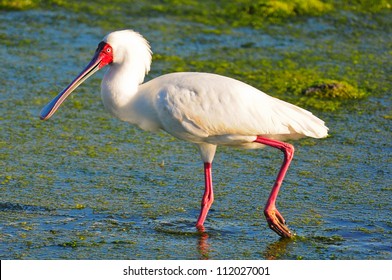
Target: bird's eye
[{"x": 108, "y": 50}]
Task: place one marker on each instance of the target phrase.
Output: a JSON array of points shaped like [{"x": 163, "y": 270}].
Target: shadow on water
[
  {"x": 284, "y": 247},
  {"x": 9, "y": 206},
  {"x": 213, "y": 242},
  {"x": 276, "y": 250},
  {"x": 209, "y": 239},
  {"x": 187, "y": 228}
]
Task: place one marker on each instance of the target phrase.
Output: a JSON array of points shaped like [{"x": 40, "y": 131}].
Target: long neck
[
  {"x": 124, "y": 97},
  {"x": 119, "y": 85}
]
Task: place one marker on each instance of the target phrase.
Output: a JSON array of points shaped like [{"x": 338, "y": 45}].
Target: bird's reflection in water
[
  {"x": 274, "y": 251},
  {"x": 277, "y": 249},
  {"x": 202, "y": 245},
  {"x": 187, "y": 228}
]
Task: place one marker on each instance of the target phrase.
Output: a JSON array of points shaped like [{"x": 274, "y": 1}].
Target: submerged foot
[
  {"x": 200, "y": 228},
  {"x": 277, "y": 223}
]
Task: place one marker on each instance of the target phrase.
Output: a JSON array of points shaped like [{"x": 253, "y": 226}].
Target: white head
[
  {"x": 130, "y": 49},
  {"x": 124, "y": 48}
]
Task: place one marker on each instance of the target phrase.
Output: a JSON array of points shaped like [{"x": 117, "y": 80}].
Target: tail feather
[{"x": 301, "y": 122}]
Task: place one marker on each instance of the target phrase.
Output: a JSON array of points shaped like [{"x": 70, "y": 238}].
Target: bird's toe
[{"x": 277, "y": 223}]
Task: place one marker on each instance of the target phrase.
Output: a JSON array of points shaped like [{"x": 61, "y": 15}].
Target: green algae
[
  {"x": 238, "y": 13},
  {"x": 330, "y": 94},
  {"x": 331, "y": 89},
  {"x": 18, "y": 4}
]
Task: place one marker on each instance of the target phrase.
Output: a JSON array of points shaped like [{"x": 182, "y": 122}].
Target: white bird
[{"x": 202, "y": 108}]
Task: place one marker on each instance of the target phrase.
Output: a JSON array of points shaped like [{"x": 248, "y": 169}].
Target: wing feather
[{"x": 200, "y": 105}]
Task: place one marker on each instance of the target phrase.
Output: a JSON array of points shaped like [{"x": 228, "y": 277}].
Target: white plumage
[{"x": 202, "y": 108}]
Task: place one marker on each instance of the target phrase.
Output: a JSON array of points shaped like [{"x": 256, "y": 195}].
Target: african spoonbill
[{"x": 202, "y": 108}]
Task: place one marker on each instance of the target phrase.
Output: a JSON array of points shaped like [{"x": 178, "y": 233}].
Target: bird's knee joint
[
  {"x": 288, "y": 150},
  {"x": 207, "y": 202}
]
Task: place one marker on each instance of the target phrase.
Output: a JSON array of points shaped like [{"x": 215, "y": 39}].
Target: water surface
[{"x": 86, "y": 186}]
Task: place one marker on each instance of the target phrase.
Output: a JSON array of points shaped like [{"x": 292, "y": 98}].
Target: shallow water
[{"x": 86, "y": 186}]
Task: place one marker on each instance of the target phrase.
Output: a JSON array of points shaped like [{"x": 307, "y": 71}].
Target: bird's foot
[
  {"x": 277, "y": 223},
  {"x": 200, "y": 228}
]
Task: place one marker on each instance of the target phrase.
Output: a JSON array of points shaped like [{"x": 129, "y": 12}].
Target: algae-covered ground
[{"x": 87, "y": 186}]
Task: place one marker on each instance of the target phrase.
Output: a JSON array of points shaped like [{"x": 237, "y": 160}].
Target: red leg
[
  {"x": 208, "y": 197},
  {"x": 274, "y": 218}
]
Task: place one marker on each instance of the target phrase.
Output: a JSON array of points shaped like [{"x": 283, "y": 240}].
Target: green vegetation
[
  {"x": 18, "y": 4},
  {"x": 236, "y": 13},
  {"x": 243, "y": 13},
  {"x": 330, "y": 89}
]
